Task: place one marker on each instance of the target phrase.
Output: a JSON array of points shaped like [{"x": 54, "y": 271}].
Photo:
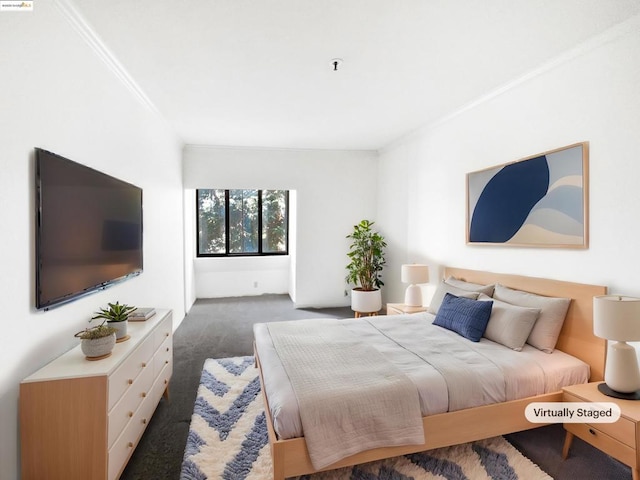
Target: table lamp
[
  {"x": 414, "y": 274},
  {"x": 617, "y": 318}
]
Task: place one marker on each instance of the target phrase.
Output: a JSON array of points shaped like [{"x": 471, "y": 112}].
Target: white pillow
[
  {"x": 442, "y": 290},
  {"x": 472, "y": 287},
  {"x": 544, "y": 334},
  {"x": 509, "y": 325}
]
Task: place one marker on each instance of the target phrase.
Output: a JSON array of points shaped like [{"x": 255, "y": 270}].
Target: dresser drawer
[
  {"x": 123, "y": 377},
  {"x": 162, "y": 332},
  {"x": 623, "y": 430},
  {"x": 162, "y": 382},
  {"x": 600, "y": 440},
  {"x": 163, "y": 356},
  {"x": 128, "y": 405},
  {"x": 124, "y": 445}
]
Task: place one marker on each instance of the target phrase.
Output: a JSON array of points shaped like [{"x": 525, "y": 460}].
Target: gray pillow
[
  {"x": 472, "y": 287},
  {"x": 544, "y": 334},
  {"x": 509, "y": 325},
  {"x": 442, "y": 290}
]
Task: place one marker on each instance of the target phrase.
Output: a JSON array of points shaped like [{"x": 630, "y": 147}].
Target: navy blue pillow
[{"x": 464, "y": 316}]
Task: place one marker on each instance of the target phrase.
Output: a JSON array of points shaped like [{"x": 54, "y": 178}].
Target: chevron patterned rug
[{"x": 228, "y": 440}]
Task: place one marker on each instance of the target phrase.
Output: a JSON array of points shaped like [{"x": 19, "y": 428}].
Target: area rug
[{"x": 228, "y": 440}]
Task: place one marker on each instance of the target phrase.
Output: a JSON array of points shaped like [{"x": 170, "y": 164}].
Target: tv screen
[{"x": 88, "y": 230}]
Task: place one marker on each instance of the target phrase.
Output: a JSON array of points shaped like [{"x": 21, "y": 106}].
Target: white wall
[
  {"x": 189, "y": 247},
  {"x": 589, "y": 94},
  {"x": 241, "y": 276},
  {"x": 293, "y": 243},
  {"x": 58, "y": 95},
  {"x": 333, "y": 190}
]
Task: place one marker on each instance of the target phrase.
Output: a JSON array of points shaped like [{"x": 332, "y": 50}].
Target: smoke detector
[{"x": 336, "y": 63}]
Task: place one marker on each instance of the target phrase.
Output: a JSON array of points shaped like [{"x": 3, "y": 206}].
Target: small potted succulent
[
  {"x": 116, "y": 316},
  {"x": 97, "y": 342}
]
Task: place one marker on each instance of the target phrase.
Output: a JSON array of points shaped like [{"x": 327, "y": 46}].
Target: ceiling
[{"x": 259, "y": 73}]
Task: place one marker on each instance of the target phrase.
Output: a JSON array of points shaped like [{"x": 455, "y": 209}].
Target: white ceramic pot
[
  {"x": 121, "y": 328},
  {"x": 98, "y": 347},
  {"x": 366, "y": 301}
]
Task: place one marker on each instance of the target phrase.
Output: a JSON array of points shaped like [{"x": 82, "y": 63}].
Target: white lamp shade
[
  {"x": 616, "y": 317},
  {"x": 415, "y": 273}
]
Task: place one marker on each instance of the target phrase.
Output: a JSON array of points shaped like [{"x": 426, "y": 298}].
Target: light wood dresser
[{"x": 82, "y": 419}]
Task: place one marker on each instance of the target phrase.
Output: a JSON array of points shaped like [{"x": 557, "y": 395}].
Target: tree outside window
[{"x": 242, "y": 222}]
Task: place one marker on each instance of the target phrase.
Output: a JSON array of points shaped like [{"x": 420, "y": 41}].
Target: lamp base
[
  {"x": 604, "y": 388},
  {"x": 621, "y": 372},
  {"x": 413, "y": 296}
]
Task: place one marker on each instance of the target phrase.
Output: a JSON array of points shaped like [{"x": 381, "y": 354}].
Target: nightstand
[
  {"x": 400, "y": 308},
  {"x": 617, "y": 439}
]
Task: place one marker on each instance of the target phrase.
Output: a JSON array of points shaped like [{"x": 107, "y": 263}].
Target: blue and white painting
[{"x": 539, "y": 201}]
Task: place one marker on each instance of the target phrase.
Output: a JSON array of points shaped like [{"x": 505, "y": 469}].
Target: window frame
[{"x": 260, "y": 252}]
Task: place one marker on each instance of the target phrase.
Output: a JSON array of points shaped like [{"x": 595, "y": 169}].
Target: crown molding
[
  {"x": 93, "y": 40},
  {"x": 613, "y": 33}
]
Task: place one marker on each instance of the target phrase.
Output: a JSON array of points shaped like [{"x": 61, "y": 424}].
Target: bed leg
[{"x": 277, "y": 458}]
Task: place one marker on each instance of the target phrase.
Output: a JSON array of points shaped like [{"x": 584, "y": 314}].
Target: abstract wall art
[{"x": 539, "y": 201}]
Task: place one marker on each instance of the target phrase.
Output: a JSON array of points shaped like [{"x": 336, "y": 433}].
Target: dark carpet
[{"x": 216, "y": 328}]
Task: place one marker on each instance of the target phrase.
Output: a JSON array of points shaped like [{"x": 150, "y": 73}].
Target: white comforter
[
  {"x": 449, "y": 371},
  {"x": 357, "y": 400}
]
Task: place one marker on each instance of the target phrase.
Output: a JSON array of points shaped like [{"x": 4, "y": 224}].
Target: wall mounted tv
[{"x": 88, "y": 230}]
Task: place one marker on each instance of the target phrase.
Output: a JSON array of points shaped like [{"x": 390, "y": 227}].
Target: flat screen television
[{"x": 88, "y": 230}]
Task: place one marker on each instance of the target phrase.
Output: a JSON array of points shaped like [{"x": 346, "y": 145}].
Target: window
[{"x": 242, "y": 222}]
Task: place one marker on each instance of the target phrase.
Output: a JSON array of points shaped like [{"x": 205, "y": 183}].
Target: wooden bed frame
[{"x": 291, "y": 458}]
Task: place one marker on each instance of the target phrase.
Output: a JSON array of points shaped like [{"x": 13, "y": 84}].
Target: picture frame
[{"x": 537, "y": 201}]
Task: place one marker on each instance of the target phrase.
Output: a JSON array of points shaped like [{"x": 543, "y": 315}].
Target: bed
[{"x": 291, "y": 455}]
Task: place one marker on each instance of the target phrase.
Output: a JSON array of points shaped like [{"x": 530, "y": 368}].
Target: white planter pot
[
  {"x": 98, "y": 347},
  {"x": 366, "y": 301},
  {"x": 121, "y": 328}
]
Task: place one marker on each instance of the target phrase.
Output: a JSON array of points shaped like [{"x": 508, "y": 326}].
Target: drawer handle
[
  {"x": 166, "y": 361},
  {"x": 130, "y": 381},
  {"x": 592, "y": 431},
  {"x": 166, "y": 381},
  {"x": 130, "y": 444},
  {"x": 144, "y": 364},
  {"x": 167, "y": 349},
  {"x": 166, "y": 334},
  {"x": 130, "y": 414},
  {"x": 144, "y": 421},
  {"x": 143, "y": 394}
]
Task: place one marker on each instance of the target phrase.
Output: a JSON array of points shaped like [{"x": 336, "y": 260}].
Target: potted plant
[
  {"x": 366, "y": 255},
  {"x": 116, "y": 315},
  {"x": 97, "y": 342}
]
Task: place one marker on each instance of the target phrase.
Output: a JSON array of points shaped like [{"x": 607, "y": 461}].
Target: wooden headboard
[{"x": 576, "y": 337}]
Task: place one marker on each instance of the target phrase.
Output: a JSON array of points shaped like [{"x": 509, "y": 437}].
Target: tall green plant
[{"x": 366, "y": 255}]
